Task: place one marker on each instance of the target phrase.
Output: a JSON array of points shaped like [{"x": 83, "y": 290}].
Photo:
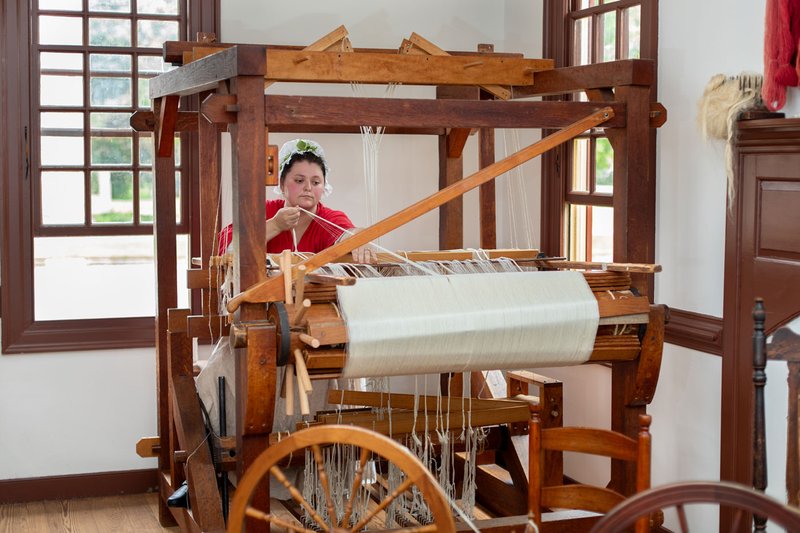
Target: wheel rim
[{"x": 267, "y": 465}]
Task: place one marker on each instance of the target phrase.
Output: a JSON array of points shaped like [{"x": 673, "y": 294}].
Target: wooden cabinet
[{"x": 762, "y": 259}]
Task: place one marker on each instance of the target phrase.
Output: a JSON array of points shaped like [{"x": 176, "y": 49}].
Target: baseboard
[
  {"x": 694, "y": 330},
  {"x": 78, "y": 486}
]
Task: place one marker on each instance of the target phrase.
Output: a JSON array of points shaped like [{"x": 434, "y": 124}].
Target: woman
[{"x": 300, "y": 222}]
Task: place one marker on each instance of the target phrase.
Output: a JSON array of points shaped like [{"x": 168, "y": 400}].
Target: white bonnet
[{"x": 300, "y": 146}]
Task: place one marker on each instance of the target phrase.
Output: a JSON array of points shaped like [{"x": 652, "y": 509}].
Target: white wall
[{"x": 75, "y": 412}]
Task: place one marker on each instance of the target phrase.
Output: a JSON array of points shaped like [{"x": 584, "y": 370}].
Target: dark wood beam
[
  {"x": 287, "y": 112},
  {"x": 597, "y": 76}
]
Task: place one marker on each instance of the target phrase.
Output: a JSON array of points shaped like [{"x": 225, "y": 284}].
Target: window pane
[
  {"x": 582, "y": 47},
  {"x": 576, "y": 232},
  {"x": 110, "y": 121},
  {"x": 61, "y": 5},
  {"x": 62, "y": 198},
  {"x": 112, "y": 197},
  {"x": 111, "y": 6},
  {"x": 153, "y": 33},
  {"x": 146, "y": 197},
  {"x": 146, "y": 149},
  {"x": 111, "y": 92},
  {"x": 110, "y": 63},
  {"x": 61, "y": 91},
  {"x": 602, "y": 233},
  {"x": 112, "y": 150},
  {"x": 177, "y": 152},
  {"x": 60, "y": 30},
  {"x": 62, "y": 121},
  {"x": 144, "y": 93},
  {"x": 98, "y": 277},
  {"x": 150, "y": 65},
  {"x": 62, "y": 151},
  {"x": 109, "y": 32},
  {"x": 580, "y": 165},
  {"x": 157, "y": 7},
  {"x": 178, "y": 214},
  {"x": 632, "y": 17},
  {"x": 59, "y": 61},
  {"x": 608, "y": 31},
  {"x": 604, "y": 166}
]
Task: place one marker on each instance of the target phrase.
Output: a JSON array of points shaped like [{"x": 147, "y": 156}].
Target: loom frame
[{"x": 230, "y": 85}]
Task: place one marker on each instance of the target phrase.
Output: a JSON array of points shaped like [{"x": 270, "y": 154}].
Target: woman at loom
[{"x": 299, "y": 221}]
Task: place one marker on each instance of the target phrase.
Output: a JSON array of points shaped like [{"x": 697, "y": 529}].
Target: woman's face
[{"x": 303, "y": 185}]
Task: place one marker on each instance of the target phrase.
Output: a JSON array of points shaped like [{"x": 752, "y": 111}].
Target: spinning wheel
[
  {"x": 738, "y": 497},
  {"x": 371, "y": 445}
]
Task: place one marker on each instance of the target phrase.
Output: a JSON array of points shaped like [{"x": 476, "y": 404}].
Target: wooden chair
[
  {"x": 579, "y": 496},
  {"x": 783, "y": 346}
]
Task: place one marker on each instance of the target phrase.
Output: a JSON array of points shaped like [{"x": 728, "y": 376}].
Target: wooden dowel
[
  {"x": 300, "y": 284},
  {"x": 301, "y": 311},
  {"x": 612, "y": 267},
  {"x": 286, "y": 270},
  {"x": 308, "y": 339},
  {"x": 289, "y": 387},
  {"x": 325, "y": 279},
  {"x": 302, "y": 371},
  {"x": 303, "y": 395}
]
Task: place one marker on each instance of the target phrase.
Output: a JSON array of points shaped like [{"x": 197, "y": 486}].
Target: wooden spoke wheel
[
  {"x": 373, "y": 446},
  {"x": 741, "y": 499}
]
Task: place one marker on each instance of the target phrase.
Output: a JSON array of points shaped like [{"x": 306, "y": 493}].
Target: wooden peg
[
  {"x": 308, "y": 339},
  {"x": 286, "y": 270},
  {"x": 301, "y": 312},
  {"x": 300, "y": 283},
  {"x": 302, "y": 371},
  {"x": 289, "y": 387}
]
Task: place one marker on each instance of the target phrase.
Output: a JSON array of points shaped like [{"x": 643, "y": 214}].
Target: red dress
[{"x": 316, "y": 238}]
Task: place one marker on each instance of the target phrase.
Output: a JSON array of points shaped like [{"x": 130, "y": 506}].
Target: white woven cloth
[{"x": 432, "y": 324}]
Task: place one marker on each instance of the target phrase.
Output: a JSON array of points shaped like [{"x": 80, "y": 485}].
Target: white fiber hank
[{"x": 431, "y": 324}]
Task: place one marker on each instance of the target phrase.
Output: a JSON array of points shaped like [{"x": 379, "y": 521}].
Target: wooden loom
[{"x": 230, "y": 82}]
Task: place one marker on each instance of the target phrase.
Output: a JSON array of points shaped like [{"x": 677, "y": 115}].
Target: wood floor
[{"x": 134, "y": 512}]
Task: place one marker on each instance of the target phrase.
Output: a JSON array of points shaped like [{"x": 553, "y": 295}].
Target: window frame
[
  {"x": 558, "y": 43},
  {"x": 19, "y": 161}
]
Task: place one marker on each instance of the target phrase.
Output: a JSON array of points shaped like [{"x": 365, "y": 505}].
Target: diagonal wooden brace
[
  {"x": 272, "y": 289},
  {"x": 166, "y": 109}
]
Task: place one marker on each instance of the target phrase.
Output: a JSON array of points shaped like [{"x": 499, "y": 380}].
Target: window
[
  {"x": 582, "y": 32},
  {"x": 78, "y": 268}
]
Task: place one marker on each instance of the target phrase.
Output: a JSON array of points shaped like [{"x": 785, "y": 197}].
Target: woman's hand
[
  {"x": 286, "y": 218},
  {"x": 362, "y": 254}
]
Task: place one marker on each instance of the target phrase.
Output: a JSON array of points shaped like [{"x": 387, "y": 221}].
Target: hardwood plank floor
[{"x": 133, "y": 512}]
